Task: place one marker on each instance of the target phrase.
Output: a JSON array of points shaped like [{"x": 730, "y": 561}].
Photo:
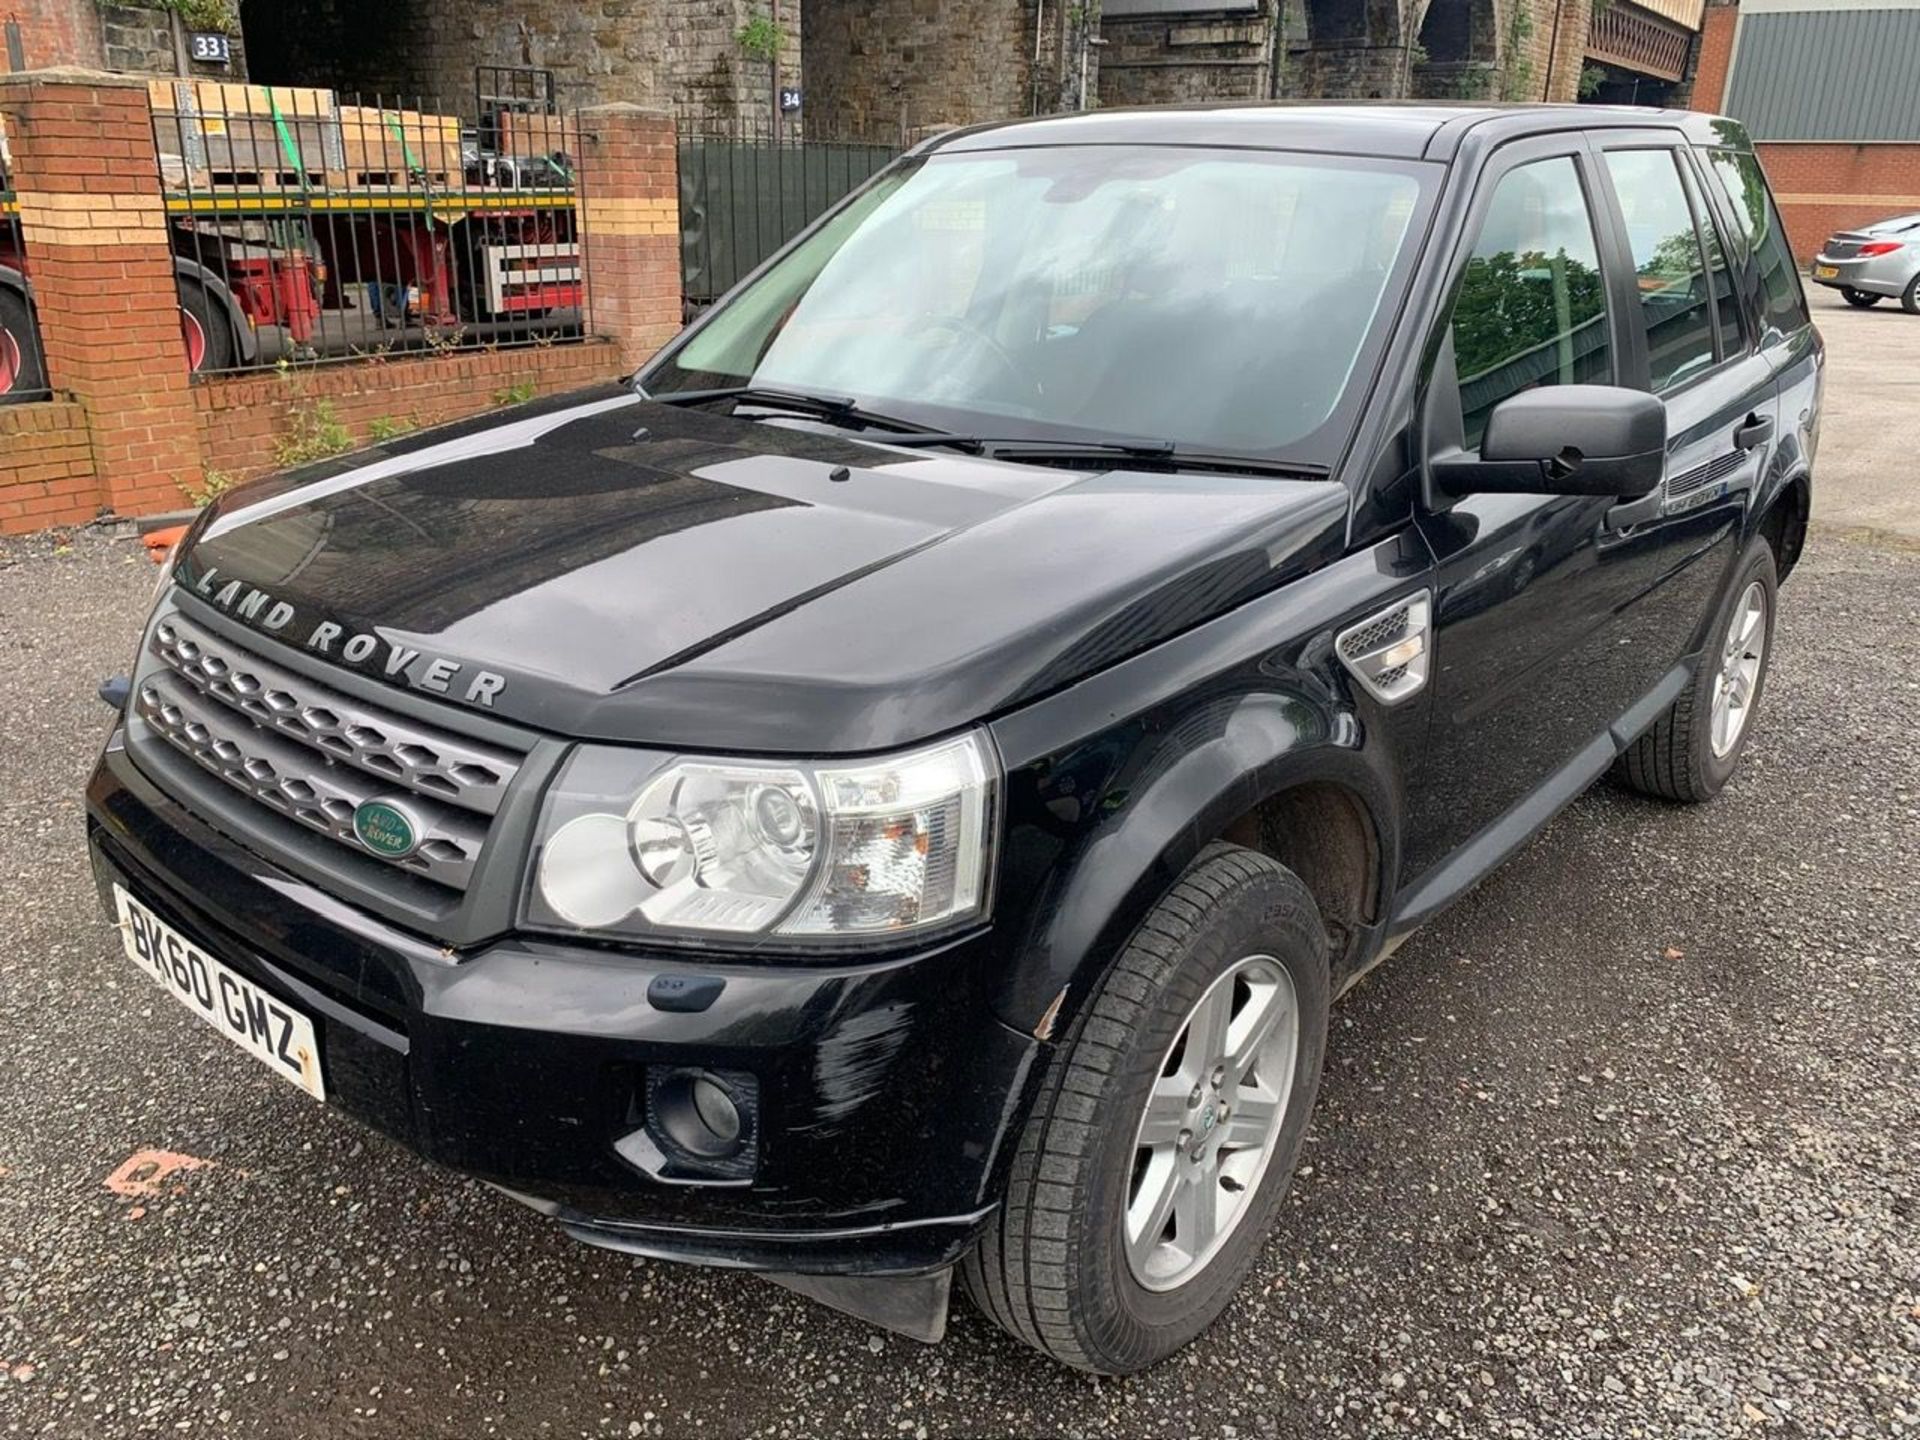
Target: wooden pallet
[
  {"x": 256, "y": 180},
  {"x": 226, "y": 97},
  {"x": 394, "y": 179},
  {"x": 528, "y": 135},
  {"x": 423, "y": 142}
]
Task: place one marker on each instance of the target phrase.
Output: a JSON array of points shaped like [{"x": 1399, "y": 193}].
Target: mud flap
[{"x": 911, "y": 1305}]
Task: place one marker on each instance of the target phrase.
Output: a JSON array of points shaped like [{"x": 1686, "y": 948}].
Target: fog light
[
  {"x": 695, "y": 1112},
  {"x": 719, "y": 1116},
  {"x": 701, "y": 1126}
]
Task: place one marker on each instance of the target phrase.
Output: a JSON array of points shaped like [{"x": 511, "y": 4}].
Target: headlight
[{"x": 812, "y": 851}]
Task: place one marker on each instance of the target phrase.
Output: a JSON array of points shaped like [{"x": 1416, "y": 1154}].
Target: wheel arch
[
  {"x": 1273, "y": 772},
  {"x": 1784, "y": 522}
]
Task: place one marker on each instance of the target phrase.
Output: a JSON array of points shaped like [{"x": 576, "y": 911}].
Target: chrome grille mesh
[
  {"x": 1390, "y": 653},
  {"x": 400, "y": 752},
  {"x": 315, "y": 755},
  {"x": 1375, "y": 634}
]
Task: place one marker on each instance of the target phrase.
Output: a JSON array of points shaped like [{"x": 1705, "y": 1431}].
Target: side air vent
[{"x": 1389, "y": 653}]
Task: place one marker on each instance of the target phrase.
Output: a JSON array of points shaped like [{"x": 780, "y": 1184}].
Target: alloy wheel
[
  {"x": 1738, "y": 682},
  {"x": 1212, "y": 1123}
]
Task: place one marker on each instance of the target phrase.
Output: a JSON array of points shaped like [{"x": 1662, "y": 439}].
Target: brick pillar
[
  {"x": 95, "y": 231},
  {"x": 630, "y": 220},
  {"x": 1717, "y": 26}
]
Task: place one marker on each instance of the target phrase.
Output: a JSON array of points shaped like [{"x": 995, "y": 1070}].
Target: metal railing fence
[
  {"x": 745, "y": 191},
  {"x": 310, "y": 228}
]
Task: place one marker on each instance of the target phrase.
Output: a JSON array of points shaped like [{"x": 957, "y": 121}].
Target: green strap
[
  {"x": 287, "y": 146},
  {"x": 406, "y": 151}
]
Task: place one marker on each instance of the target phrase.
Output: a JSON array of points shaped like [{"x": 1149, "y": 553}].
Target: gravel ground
[
  {"x": 1628, "y": 1144},
  {"x": 1874, "y": 423}
]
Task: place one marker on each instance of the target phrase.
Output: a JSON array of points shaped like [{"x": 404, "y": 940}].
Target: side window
[
  {"x": 1784, "y": 303},
  {"x": 1726, "y": 300},
  {"x": 1668, "y": 265},
  {"x": 1531, "y": 308}
]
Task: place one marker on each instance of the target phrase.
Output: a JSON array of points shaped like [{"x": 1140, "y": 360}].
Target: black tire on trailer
[
  {"x": 1090, "y": 1259},
  {"x": 198, "y": 308},
  {"x": 21, "y": 373},
  {"x": 1689, "y": 754},
  {"x": 1859, "y": 299}
]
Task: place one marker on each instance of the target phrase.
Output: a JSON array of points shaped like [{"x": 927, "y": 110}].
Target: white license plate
[
  {"x": 1825, "y": 272},
  {"x": 267, "y": 1028}
]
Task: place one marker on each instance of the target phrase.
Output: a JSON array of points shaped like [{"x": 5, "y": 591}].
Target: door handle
[{"x": 1756, "y": 432}]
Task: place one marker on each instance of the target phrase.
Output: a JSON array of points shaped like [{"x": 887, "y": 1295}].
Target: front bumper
[{"x": 888, "y": 1090}]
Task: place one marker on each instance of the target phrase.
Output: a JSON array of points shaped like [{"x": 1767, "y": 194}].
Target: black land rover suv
[{"x": 897, "y": 787}]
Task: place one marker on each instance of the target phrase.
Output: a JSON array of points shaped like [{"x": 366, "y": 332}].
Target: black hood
[{"x": 627, "y": 570}]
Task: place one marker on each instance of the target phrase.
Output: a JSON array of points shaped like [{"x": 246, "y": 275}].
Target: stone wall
[
  {"x": 1171, "y": 59},
  {"x": 1514, "y": 50},
  {"x": 148, "y": 40},
  {"x": 126, "y": 39},
  {"x": 681, "y": 56},
  {"x": 876, "y": 68}
]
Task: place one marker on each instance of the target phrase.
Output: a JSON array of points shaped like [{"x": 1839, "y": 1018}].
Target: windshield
[{"x": 1217, "y": 299}]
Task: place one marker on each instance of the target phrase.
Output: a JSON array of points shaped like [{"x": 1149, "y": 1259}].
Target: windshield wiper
[
  {"x": 835, "y": 409},
  {"x": 1142, "y": 454}
]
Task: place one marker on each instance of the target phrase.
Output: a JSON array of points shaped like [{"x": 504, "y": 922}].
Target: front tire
[
  {"x": 1692, "y": 751},
  {"x": 1859, "y": 299},
  {"x": 1168, "y": 1124}
]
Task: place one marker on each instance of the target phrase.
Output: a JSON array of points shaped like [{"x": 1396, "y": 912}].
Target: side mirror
[{"x": 1564, "y": 440}]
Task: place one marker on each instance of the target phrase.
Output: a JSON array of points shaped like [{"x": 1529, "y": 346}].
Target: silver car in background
[{"x": 1874, "y": 261}]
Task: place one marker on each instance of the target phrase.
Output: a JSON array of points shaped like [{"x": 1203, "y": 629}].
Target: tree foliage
[{"x": 1509, "y": 305}]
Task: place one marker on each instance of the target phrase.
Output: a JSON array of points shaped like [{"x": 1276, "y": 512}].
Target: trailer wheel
[
  {"x": 20, "y": 370},
  {"x": 204, "y": 330}
]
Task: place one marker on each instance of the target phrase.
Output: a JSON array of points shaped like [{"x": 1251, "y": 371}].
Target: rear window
[{"x": 1784, "y": 304}]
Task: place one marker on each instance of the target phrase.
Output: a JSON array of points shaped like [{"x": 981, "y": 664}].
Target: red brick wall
[
  {"x": 1821, "y": 187},
  {"x": 243, "y": 417},
  {"x": 92, "y": 220},
  {"x": 630, "y": 215},
  {"x": 47, "y": 476},
  {"x": 57, "y": 32},
  {"x": 1716, "y": 48},
  {"x": 131, "y": 434}
]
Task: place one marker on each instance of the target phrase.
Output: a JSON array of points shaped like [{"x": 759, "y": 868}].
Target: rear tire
[
  {"x": 1859, "y": 299},
  {"x": 21, "y": 373},
  {"x": 1689, "y": 754},
  {"x": 1094, "y": 1201},
  {"x": 1910, "y": 297}
]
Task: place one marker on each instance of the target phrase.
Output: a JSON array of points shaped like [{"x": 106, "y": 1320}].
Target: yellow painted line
[{"x": 260, "y": 202}]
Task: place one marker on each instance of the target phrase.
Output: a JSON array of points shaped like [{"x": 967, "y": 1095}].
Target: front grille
[{"x": 316, "y": 755}]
